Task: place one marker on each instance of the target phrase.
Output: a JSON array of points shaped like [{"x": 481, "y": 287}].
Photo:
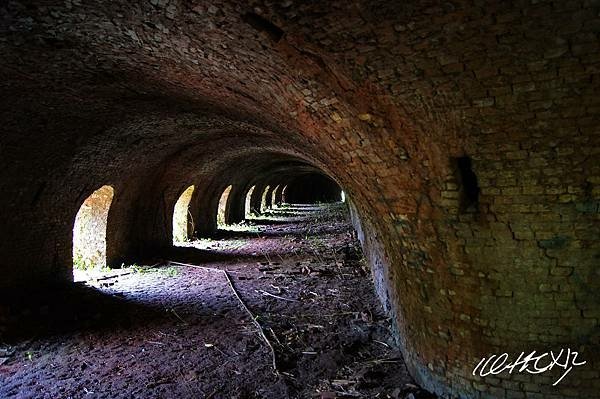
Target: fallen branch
[
  {"x": 179, "y": 317},
  {"x": 385, "y": 360},
  {"x": 254, "y": 321},
  {"x": 277, "y": 296},
  {"x": 111, "y": 276},
  {"x": 118, "y": 274}
]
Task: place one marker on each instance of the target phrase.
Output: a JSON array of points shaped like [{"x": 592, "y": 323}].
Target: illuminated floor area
[
  {"x": 180, "y": 331},
  {"x": 278, "y": 226}
]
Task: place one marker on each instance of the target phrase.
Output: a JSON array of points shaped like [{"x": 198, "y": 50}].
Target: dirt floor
[{"x": 180, "y": 331}]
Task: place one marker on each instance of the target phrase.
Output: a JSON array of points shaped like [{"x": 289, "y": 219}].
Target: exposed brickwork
[{"x": 154, "y": 96}]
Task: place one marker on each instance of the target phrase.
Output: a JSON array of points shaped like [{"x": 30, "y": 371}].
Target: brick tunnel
[{"x": 464, "y": 134}]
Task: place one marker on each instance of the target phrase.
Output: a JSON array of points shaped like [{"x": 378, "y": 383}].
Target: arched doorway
[
  {"x": 89, "y": 233},
  {"x": 248, "y": 202},
  {"x": 182, "y": 218},
  {"x": 274, "y": 195},
  {"x": 263, "y": 199},
  {"x": 223, "y": 207}
]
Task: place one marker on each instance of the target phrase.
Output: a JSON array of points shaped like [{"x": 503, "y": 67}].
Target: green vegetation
[
  {"x": 165, "y": 271},
  {"x": 81, "y": 262}
]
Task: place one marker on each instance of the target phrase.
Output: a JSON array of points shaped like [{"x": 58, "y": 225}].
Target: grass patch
[{"x": 164, "y": 271}]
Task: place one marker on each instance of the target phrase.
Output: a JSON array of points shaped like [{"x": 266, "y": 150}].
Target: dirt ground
[{"x": 172, "y": 330}]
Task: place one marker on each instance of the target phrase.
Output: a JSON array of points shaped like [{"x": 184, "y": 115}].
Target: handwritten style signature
[{"x": 530, "y": 363}]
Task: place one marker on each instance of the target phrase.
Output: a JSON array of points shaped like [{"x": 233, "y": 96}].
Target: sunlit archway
[
  {"x": 274, "y": 195},
  {"x": 89, "y": 232},
  {"x": 183, "y": 224},
  {"x": 263, "y": 199},
  {"x": 248, "y": 202},
  {"x": 221, "y": 212}
]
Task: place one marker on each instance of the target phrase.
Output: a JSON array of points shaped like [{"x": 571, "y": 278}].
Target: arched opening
[
  {"x": 222, "y": 209},
  {"x": 263, "y": 199},
  {"x": 89, "y": 233},
  {"x": 274, "y": 195},
  {"x": 313, "y": 188},
  {"x": 247, "y": 202},
  {"x": 183, "y": 223}
]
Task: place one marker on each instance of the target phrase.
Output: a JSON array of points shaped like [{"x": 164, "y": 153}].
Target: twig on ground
[
  {"x": 179, "y": 317},
  {"x": 117, "y": 274},
  {"x": 277, "y": 296},
  {"x": 275, "y": 336},
  {"x": 111, "y": 276},
  {"x": 385, "y": 360},
  {"x": 256, "y": 323}
]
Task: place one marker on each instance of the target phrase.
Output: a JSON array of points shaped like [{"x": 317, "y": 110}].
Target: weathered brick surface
[{"x": 151, "y": 97}]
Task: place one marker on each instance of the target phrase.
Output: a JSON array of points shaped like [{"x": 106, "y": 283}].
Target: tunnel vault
[{"x": 381, "y": 97}]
